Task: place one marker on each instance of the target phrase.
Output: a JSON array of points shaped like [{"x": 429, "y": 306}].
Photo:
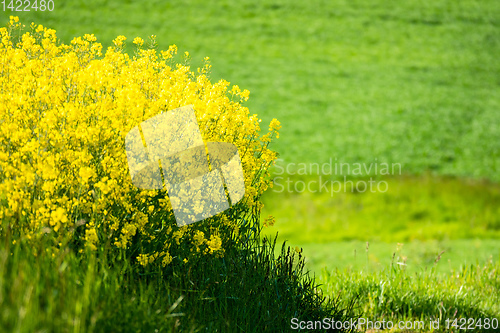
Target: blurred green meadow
[
  {"x": 422, "y": 216},
  {"x": 411, "y": 82},
  {"x": 415, "y": 82}
]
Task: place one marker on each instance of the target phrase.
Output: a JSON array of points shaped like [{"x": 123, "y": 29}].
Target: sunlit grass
[
  {"x": 413, "y": 82},
  {"x": 393, "y": 294},
  {"x": 412, "y": 208},
  {"x": 410, "y": 82},
  {"x": 428, "y": 215}
]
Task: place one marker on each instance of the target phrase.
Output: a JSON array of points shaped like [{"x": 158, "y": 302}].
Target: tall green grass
[
  {"x": 409, "y": 82},
  {"x": 393, "y": 294},
  {"x": 248, "y": 290}
]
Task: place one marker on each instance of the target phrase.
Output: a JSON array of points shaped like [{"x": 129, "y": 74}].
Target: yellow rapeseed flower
[
  {"x": 66, "y": 109},
  {"x": 215, "y": 243},
  {"x": 138, "y": 41}
]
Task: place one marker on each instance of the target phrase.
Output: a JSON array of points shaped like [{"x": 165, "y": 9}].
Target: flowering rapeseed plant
[{"x": 65, "y": 111}]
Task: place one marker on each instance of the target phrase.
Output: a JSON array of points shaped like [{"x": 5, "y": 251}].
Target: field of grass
[
  {"x": 452, "y": 302},
  {"x": 412, "y": 208},
  {"x": 412, "y": 82},
  {"x": 426, "y": 249},
  {"x": 249, "y": 290},
  {"x": 426, "y": 214}
]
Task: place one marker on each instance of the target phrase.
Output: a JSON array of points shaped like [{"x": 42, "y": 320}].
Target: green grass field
[
  {"x": 426, "y": 214},
  {"x": 409, "y": 82},
  {"x": 414, "y": 82}
]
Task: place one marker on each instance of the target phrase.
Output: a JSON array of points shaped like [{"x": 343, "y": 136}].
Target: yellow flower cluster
[
  {"x": 65, "y": 111},
  {"x": 269, "y": 221}
]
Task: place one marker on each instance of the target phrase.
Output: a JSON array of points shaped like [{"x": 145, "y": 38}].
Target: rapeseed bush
[{"x": 65, "y": 111}]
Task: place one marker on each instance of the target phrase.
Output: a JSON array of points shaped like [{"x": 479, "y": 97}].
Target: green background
[{"x": 409, "y": 82}]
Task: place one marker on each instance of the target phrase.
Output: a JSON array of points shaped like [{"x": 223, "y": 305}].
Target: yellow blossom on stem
[{"x": 66, "y": 110}]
